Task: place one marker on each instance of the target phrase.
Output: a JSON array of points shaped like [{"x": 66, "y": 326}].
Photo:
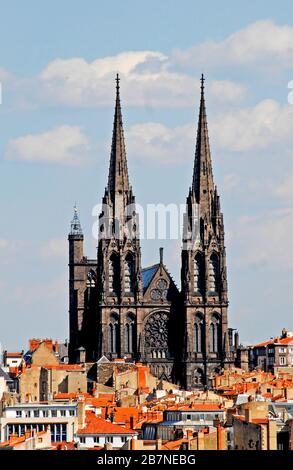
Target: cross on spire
[
  {"x": 117, "y": 81},
  {"x": 202, "y": 80}
]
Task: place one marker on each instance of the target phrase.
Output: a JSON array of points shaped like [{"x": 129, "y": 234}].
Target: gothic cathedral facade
[{"x": 118, "y": 309}]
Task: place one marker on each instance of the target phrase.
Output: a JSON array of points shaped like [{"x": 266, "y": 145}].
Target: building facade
[
  {"x": 60, "y": 418},
  {"x": 118, "y": 309}
]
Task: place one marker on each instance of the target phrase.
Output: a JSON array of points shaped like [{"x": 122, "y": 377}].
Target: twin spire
[
  {"x": 118, "y": 180},
  {"x": 202, "y": 182}
]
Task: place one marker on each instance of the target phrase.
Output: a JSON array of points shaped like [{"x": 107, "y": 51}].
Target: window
[
  {"x": 215, "y": 334},
  {"x": 28, "y": 414},
  {"x": 114, "y": 274},
  {"x": 45, "y": 413},
  {"x": 36, "y": 413},
  {"x": 282, "y": 360},
  {"x": 123, "y": 438},
  {"x": 71, "y": 413},
  {"x": 54, "y": 413},
  {"x": 129, "y": 274},
  {"x": 282, "y": 350},
  {"x": 188, "y": 416},
  {"x": 18, "y": 413},
  {"x": 213, "y": 273},
  {"x": 109, "y": 439},
  {"x": 82, "y": 440},
  {"x": 198, "y": 274},
  {"x": 63, "y": 412},
  {"x": 96, "y": 439},
  {"x": 198, "y": 333},
  {"x": 113, "y": 333},
  {"x": 130, "y": 334}
]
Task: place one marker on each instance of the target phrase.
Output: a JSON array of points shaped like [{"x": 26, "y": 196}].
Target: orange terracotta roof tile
[
  {"x": 14, "y": 440},
  {"x": 96, "y": 425},
  {"x": 71, "y": 396},
  {"x": 173, "y": 445},
  {"x": 62, "y": 445},
  {"x": 98, "y": 402},
  {"x": 13, "y": 354},
  {"x": 64, "y": 367}
]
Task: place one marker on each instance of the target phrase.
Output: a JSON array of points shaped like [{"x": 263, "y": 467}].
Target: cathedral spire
[
  {"x": 118, "y": 181},
  {"x": 202, "y": 183}
]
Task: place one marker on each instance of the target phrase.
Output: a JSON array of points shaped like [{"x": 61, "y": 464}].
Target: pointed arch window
[
  {"x": 129, "y": 273},
  {"x": 198, "y": 334},
  {"x": 130, "y": 334},
  {"x": 114, "y": 274},
  {"x": 198, "y": 274},
  {"x": 113, "y": 334},
  {"x": 213, "y": 274},
  {"x": 215, "y": 334}
]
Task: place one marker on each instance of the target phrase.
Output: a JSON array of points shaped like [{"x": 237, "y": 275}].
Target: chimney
[
  {"x": 230, "y": 337},
  {"x": 248, "y": 415},
  {"x": 81, "y": 414},
  {"x": 158, "y": 444},
  {"x": 133, "y": 422},
  {"x": 133, "y": 444},
  {"x": 236, "y": 340},
  {"x": 219, "y": 437},
  {"x": 161, "y": 259}
]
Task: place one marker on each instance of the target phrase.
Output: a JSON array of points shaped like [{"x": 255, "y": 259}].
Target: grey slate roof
[{"x": 147, "y": 275}]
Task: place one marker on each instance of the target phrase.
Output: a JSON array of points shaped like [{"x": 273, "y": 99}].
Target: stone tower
[
  {"x": 82, "y": 291},
  {"x": 206, "y": 339},
  {"x": 119, "y": 258}
]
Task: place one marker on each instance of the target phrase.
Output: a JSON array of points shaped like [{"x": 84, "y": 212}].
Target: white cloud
[
  {"x": 268, "y": 123},
  {"x": 259, "y": 240},
  {"x": 55, "y": 247},
  {"x": 146, "y": 80},
  {"x": 259, "y": 43},
  {"x": 156, "y": 143},
  {"x": 266, "y": 126},
  {"x": 226, "y": 91},
  {"x": 65, "y": 144},
  {"x": 283, "y": 189}
]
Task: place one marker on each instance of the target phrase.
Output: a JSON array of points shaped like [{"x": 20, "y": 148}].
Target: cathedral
[{"x": 118, "y": 309}]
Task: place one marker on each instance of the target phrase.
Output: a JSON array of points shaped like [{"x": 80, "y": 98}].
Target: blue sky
[{"x": 57, "y": 66}]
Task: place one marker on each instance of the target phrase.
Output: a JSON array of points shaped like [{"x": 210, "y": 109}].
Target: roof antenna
[{"x": 161, "y": 259}]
